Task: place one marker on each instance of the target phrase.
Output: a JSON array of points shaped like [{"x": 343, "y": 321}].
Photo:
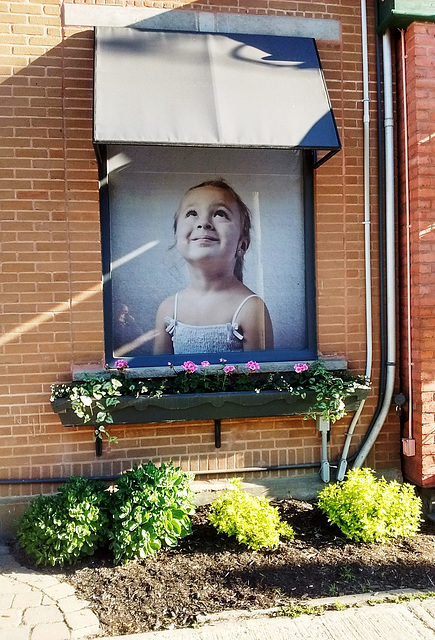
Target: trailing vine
[{"x": 93, "y": 398}]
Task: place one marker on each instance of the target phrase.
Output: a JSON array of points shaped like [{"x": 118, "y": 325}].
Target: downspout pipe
[
  {"x": 342, "y": 465},
  {"x": 408, "y": 236},
  {"x": 378, "y": 423}
]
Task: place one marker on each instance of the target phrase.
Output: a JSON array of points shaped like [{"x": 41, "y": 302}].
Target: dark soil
[{"x": 209, "y": 573}]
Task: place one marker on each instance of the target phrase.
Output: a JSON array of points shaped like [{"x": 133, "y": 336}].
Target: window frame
[{"x": 271, "y": 357}]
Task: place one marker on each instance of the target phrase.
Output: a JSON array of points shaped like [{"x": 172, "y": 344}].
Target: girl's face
[{"x": 208, "y": 225}]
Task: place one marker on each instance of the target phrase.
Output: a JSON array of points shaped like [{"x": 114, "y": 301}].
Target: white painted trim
[{"x": 202, "y": 21}]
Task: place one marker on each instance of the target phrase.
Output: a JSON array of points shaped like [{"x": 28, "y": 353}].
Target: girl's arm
[
  {"x": 163, "y": 340},
  {"x": 256, "y": 326}
]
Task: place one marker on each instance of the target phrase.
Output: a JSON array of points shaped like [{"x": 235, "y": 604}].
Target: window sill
[{"x": 330, "y": 363}]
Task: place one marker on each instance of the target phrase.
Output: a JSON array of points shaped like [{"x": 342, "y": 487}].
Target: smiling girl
[{"x": 216, "y": 312}]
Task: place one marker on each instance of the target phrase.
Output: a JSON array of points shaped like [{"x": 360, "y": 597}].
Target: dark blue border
[{"x": 275, "y": 355}]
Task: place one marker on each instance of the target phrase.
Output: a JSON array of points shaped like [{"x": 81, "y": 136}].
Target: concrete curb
[{"x": 412, "y": 620}]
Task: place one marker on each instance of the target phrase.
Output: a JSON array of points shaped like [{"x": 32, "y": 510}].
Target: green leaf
[{"x": 144, "y": 494}]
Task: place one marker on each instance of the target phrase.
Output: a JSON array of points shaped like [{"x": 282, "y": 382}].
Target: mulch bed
[{"x": 210, "y": 573}]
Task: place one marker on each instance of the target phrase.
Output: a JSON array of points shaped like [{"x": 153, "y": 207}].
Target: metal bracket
[
  {"x": 325, "y": 158},
  {"x": 324, "y": 427},
  {"x": 98, "y": 447},
  {"x": 217, "y": 433}
]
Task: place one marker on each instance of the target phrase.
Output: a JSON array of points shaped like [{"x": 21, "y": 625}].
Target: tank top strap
[
  {"x": 237, "y": 311},
  {"x": 175, "y": 306},
  {"x": 172, "y": 322}
]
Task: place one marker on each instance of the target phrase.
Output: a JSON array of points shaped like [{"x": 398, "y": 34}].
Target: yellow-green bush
[
  {"x": 251, "y": 519},
  {"x": 370, "y": 510}
]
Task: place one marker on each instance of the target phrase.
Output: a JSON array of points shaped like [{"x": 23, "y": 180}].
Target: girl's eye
[
  {"x": 191, "y": 212},
  {"x": 221, "y": 213}
]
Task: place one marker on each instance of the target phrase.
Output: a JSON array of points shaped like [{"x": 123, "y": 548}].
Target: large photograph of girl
[{"x": 208, "y": 253}]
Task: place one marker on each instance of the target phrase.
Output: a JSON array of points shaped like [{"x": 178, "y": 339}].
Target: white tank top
[{"x": 213, "y": 338}]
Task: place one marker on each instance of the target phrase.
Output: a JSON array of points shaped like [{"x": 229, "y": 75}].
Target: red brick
[{"x": 36, "y": 164}]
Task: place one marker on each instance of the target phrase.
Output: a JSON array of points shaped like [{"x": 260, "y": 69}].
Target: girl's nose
[{"x": 205, "y": 223}]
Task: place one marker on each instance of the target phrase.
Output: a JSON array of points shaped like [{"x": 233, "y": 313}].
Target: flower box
[
  {"x": 192, "y": 394},
  {"x": 205, "y": 406}
]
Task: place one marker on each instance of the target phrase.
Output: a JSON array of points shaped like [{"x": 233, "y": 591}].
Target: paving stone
[
  {"x": 429, "y": 606},
  {"x": 6, "y": 585},
  {"x": 86, "y": 634},
  {"x": 39, "y": 615},
  {"x": 47, "y": 600},
  {"x": 18, "y": 587},
  {"x": 39, "y": 581},
  {"x": 6, "y": 600},
  {"x": 59, "y": 590},
  {"x": 423, "y": 612},
  {"x": 21, "y": 573},
  {"x": 72, "y": 603},
  {"x": 52, "y": 631},
  {"x": 20, "y": 633},
  {"x": 27, "y": 599},
  {"x": 10, "y": 618},
  {"x": 83, "y": 619}
]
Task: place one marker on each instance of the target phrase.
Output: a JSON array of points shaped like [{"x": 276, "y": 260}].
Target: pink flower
[
  {"x": 222, "y": 360},
  {"x": 120, "y": 364},
  {"x": 229, "y": 368},
  {"x": 253, "y": 366},
  {"x": 301, "y": 366},
  {"x": 189, "y": 366},
  {"x": 205, "y": 363}
]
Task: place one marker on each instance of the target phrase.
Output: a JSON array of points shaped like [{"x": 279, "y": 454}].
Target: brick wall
[
  {"x": 420, "y": 74},
  {"x": 51, "y": 301}
]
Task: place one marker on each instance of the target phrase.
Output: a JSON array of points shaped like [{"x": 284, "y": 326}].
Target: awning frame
[{"x": 223, "y": 124}]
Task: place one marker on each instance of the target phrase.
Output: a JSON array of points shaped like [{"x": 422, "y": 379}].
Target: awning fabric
[{"x": 178, "y": 88}]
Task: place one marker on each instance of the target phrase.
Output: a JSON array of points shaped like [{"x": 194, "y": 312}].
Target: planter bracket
[
  {"x": 217, "y": 433},
  {"x": 98, "y": 447}
]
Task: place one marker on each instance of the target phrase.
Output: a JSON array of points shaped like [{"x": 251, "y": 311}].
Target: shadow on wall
[{"x": 50, "y": 213}]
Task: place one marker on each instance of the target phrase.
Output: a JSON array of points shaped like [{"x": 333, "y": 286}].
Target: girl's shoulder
[
  {"x": 251, "y": 308},
  {"x": 254, "y": 320},
  {"x": 250, "y": 301},
  {"x": 166, "y": 307}
]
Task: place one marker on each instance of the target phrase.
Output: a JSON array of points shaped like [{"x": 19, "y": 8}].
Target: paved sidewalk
[
  {"x": 34, "y": 606},
  {"x": 411, "y": 621}
]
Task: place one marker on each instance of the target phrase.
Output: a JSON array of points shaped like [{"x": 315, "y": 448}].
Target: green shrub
[
  {"x": 251, "y": 519},
  {"x": 59, "y": 529},
  {"x": 150, "y": 510},
  {"x": 371, "y": 510}
]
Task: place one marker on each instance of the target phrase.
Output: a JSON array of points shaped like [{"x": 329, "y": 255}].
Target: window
[
  {"x": 142, "y": 191},
  {"x": 175, "y": 109}
]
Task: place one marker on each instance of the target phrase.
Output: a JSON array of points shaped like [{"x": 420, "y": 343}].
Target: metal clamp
[{"x": 324, "y": 427}]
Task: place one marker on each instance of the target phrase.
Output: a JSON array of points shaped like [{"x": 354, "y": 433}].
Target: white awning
[{"x": 180, "y": 88}]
